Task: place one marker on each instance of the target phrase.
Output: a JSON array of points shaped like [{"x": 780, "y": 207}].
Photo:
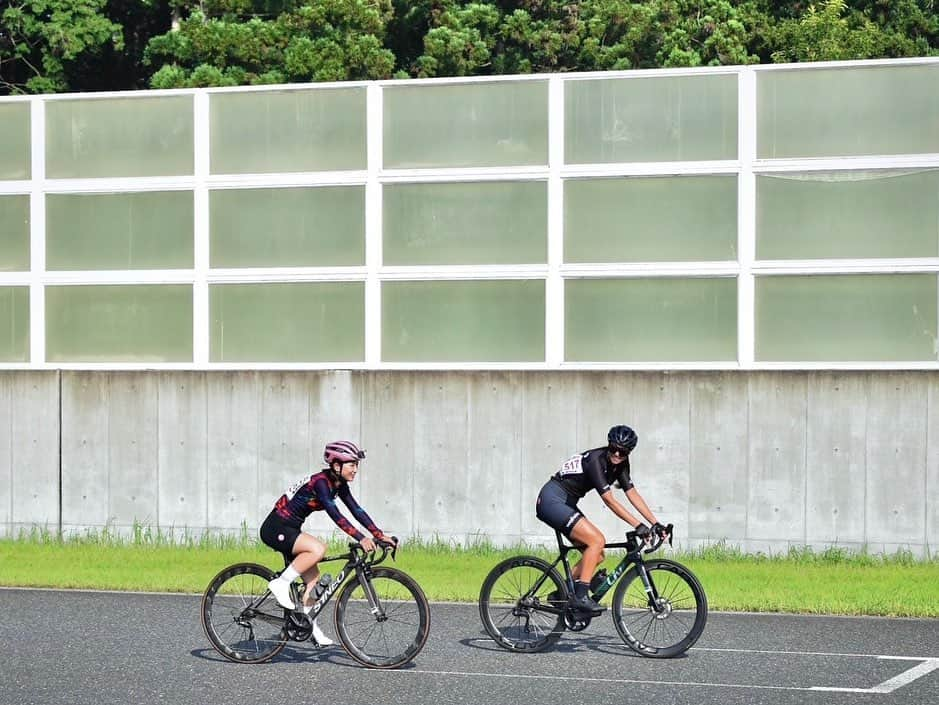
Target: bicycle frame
[
  {"x": 356, "y": 561},
  {"x": 634, "y": 551}
]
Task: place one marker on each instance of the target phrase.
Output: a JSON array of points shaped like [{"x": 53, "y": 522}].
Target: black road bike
[
  {"x": 659, "y": 608},
  {"x": 382, "y": 617}
]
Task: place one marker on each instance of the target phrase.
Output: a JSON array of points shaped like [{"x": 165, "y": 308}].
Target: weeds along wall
[{"x": 764, "y": 460}]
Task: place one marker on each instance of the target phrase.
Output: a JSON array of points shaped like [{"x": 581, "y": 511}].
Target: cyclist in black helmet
[{"x": 598, "y": 469}]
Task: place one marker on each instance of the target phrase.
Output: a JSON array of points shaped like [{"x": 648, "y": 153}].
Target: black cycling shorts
[
  {"x": 280, "y": 535},
  {"x": 557, "y": 508}
]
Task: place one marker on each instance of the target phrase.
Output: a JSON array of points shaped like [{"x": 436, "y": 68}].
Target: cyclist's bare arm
[
  {"x": 618, "y": 509},
  {"x": 632, "y": 494}
]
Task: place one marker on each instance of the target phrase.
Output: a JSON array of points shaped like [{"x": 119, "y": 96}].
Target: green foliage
[
  {"x": 224, "y": 43},
  {"x": 57, "y": 45},
  {"x": 40, "y": 38},
  {"x": 826, "y": 33},
  {"x": 619, "y": 35},
  {"x": 462, "y": 42},
  {"x": 525, "y": 37},
  {"x": 705, "y": 33}
]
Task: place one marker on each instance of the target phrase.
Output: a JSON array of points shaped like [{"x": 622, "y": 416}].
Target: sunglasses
[{"x": 621, "y": 452}]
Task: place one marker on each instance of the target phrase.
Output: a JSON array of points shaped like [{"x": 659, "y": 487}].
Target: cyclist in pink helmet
[{"x": 302, "y": 551}]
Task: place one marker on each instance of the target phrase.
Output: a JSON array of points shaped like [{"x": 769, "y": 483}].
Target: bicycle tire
[
  {"x": 241, "y": 619},
  {"x": 510, "y": 615},
  {"x": 383, "y": 643},
  {"x": 670, "y": 632}
]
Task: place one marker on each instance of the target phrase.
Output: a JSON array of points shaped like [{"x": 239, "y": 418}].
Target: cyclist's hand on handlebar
[
  {"x": 643, "y": 532},
  {"x": 660, "y": 530},
  {"x": 385, "y": 540},
  {"x": 367, "y": 544}
]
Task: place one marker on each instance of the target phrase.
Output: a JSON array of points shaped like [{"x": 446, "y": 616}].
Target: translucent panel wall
[
  {"x": 466, "y": 223},
  {"x": 152, "y": 230},
  {"x": 287, "y": 322},
  {"x": 744, "y": 217},
  {"x": 660, "y": 219},
  {"x": 650, "y": 118},
  {"x": 14, "y": 141},
  {"x": 848, "y": 214},
  {"x": 287, "y": 227},
  {"x": 129, "y": 323},
  {"x": 132, "y": 136},
  {"x": 642, "y": 320},
  {"x": 14, "y": 233},
  {"x": 503, "y": 123},
  {"x": 847, "y": 317},
  {"x": 285, "y": 131},
  {"x": 463, "y": 321},
  {"x": 848, "y": 111},
  {"x": 14, "y": 324}
]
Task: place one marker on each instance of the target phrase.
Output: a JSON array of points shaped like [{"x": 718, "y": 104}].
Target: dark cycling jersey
[
  {"x": 318, "y": 493},
  {"x": 592, "y": 470}
]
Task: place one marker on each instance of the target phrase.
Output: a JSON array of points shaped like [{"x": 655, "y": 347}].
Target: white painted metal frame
[{"x": 554, "y": 272}]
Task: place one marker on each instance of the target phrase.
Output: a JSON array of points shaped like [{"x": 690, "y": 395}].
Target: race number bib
[
  {"x": 294, "y": 488},
  {"x": 572, "y": 466}
]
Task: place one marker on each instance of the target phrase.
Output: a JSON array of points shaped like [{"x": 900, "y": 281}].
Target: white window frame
[{"x": 554, "y": 272}]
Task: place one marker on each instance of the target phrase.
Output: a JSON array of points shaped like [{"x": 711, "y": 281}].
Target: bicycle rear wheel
[
  {"x": 398, "y": 631},
  {"x": 240, "y": 617},
  {"x": 679, "y": 620},
  {"x": 511, "y": 602}
]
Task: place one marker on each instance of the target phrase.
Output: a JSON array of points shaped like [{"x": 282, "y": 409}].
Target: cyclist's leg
[
  {"x": 558, "y": 509},
  {"x": 586, "y": 532},
  {"x": 578, "y": 567},
  {"x": 281, "y": 536},
  {"x": 308, "y": 551}
]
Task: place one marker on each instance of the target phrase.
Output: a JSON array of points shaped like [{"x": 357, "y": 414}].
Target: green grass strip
[{"x": 829, "y": 582}]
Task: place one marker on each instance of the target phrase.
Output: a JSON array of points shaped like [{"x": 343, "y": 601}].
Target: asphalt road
[{"x": 100, "y": 648}]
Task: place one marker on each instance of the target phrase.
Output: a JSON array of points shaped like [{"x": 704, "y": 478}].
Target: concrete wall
[{"x": 762, "y": 459}]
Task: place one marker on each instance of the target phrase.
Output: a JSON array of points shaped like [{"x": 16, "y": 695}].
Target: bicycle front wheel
[
  {"x": 674, "y": 623},
  {"x": 512, "y": 604},
  {"x": 240, "y": 617},
  {"x": 387, "y": 628}
]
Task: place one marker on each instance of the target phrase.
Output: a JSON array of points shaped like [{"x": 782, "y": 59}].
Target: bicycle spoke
[
  {"x": 673, "y": 623},
  {"x": 231, "y": 617},
  {"x": 394, "y": 635},
  {"x": 509, "y": 613}
]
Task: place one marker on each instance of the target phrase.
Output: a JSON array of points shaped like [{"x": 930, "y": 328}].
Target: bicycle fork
[
  {"x": 374, "y": 604},
  {"x": 655, "y": 602}
]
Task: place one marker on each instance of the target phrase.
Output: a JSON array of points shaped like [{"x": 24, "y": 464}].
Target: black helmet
[{"x": 622, "y": 437}]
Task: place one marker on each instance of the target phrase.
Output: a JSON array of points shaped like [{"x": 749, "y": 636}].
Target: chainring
[
  {"x": 576, "y": 623},
  {"x": 299, "y": 627}
]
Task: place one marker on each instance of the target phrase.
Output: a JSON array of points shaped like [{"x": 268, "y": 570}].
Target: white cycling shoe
[
  {"x": 281, "y": 590},
  {"x": 320, "y": 637}
]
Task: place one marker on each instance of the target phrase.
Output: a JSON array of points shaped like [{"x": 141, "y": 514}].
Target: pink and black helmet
[{"x": 343, "y": 452}]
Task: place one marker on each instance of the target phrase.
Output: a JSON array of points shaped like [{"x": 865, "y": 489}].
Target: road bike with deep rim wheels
[
  {"x": 659, "y": 607},
  {"x": 382, "y": 617}
]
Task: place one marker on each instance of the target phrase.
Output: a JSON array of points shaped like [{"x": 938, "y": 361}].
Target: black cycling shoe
[{"x": 586, "y": 605}]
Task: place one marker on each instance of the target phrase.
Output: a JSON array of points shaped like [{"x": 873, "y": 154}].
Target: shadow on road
[
  {"x": 567, "y": 644},
  {"x": 293, "y": 653}
]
